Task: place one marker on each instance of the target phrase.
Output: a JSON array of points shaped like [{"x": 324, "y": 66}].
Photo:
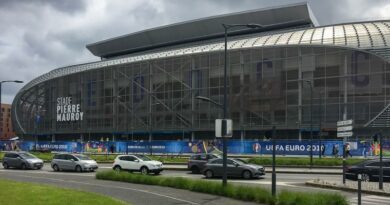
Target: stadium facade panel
[{"x": 152, "y": 93}]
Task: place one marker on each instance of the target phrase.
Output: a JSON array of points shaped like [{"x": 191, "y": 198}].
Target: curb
[{"x": 328, "y": 186}]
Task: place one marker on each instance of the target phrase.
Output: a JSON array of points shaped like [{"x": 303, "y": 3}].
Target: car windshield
[
  {"x": 83, "y": 157},
  {"x": 27, "y": 156},
  {"x": 240, "y": 161},
  {"x": 143, "y": 157}
]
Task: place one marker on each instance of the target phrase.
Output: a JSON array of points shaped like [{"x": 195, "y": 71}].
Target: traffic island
[
  {"x": 351, "y": 186},
  {"x": 245, "y": 193}
]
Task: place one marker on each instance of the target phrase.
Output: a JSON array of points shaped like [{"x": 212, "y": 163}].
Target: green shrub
[
  {"x": 237, "y": 192},
  {"x": 299, "y": 198},
  {"x": 246, "y": 193}
]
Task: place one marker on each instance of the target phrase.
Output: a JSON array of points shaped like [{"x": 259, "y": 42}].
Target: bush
[
  {"x": 246, "y": 193},
  {"x": 295, "y": 198},
  {"x": 259, "y": 195}
]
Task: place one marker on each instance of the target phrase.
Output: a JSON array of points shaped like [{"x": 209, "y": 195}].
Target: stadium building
[{"x": 146, "y": 84}]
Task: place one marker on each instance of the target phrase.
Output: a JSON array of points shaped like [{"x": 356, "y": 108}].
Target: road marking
[
  {"x": 371, "y": 200},
  {"x": 115, "y": 187}
]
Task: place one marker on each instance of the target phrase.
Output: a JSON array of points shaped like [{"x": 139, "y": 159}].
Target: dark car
[
  {"x": 197, "y": 162},
  {"x": 23, "y": 160},
  {"x": 235, "y": 168},
  {"x": 369, "y": 170}
]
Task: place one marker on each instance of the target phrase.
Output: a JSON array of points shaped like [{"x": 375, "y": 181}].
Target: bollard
[{"x": 359, "y": 189}]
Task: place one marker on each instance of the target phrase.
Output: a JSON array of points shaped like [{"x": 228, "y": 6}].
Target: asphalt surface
[{"x": 147, "y": 195}]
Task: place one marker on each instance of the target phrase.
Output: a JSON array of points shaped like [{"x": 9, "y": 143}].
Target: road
[{"x": 147, "y": 195}]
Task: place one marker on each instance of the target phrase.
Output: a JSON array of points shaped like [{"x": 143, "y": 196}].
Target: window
[
  {"x": 217, "y": 161},
  {"x": 70, "y": 157},
  {"x": 230, "y": 162},
  {"x": 195, "y": 157},
  {"x": 131, "y": 158}
]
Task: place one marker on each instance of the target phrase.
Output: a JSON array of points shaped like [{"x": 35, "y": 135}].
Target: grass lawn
[{"x": 20, "y": 193}]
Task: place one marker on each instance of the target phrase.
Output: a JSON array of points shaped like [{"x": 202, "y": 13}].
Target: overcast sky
[{"x": 38, "y": 36}]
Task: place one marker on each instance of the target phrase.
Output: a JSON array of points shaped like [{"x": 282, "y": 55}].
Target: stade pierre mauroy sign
[{"x": 68, "y": 112}]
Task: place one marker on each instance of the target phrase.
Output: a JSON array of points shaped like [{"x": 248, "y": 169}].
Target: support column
[
  {"x": 53, "y": 138},
  {"x": 242, "y": 110},
  {"x": 300, "y": 83},
  {"x": 192, "y": 136},
  {"x": 150, "y": 104},
  {"x": 192, "y": 99},
  {"x": 345, "y": 111}
]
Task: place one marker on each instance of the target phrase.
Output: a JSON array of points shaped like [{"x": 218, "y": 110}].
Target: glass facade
[{"x": 267, "y": 86}]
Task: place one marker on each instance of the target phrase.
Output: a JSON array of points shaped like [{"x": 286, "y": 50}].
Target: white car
[{"x": 137, "y": 163}]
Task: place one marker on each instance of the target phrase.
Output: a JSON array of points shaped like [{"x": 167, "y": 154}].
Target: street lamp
[
  {"x": 202, "y": 98},
  {"x": 311, "y": 121},
  {"x": 6, "y": 81},
  {"x": 227, "y": 27}
]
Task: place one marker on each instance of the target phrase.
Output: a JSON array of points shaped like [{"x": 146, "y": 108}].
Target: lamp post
[
  {"x": 224, "y": 105},
  {"x": 227, "y": 27},
  {"x": 6, "y": 81},
  {"x": 311, "y": 121}
]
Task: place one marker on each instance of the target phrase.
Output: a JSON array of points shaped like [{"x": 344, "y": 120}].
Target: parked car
[
  {"x": 235, "y": 168},
  {"x": 369, "y": 170},
  {"x": 140, "y": 163},
  {"x": 73, "y": 162},
  {"x": 23, "y": 160},
  {"x": 197, "y": 162}
]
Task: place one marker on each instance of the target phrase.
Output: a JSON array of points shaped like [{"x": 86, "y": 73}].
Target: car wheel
[
  {"x": 195, "y": 169},
  {"x": 209, "y": 174},
  {"x": 246, "y": 174},
  {"x": 56, "y": 168},
  {"x": 5, "y": 165},
  {"x": 23, "y": 166},
  {"x": 78, "y": 168},
  {"x": 117, "y": 168},
  {"x": 365, "y": 177},
  {"x": 144, "y": 170}
]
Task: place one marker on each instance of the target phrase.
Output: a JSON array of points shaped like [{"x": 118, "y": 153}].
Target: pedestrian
[
  {"x": 335, "y": 151},
  {"x": 323, "y": 149},
  {"x": 112, "y": 148},
  {"x": 348, "y": 150}
]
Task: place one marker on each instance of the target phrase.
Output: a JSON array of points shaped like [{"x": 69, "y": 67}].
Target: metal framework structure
[{"x": 154, "y": 92}]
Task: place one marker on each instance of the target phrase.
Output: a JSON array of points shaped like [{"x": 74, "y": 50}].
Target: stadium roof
[
  {"x": 275, "y": 18},
  {"x": 373, "y": 37}
]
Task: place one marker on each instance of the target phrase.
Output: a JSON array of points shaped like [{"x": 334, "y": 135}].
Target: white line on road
[
  {"x": 370, "y": 200},
  {"x": 115, "y": 187}
]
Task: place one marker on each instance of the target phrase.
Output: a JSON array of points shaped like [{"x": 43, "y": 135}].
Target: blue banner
[{"x": 282, "y": 147}]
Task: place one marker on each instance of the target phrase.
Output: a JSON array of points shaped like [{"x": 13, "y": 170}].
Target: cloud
[{"x": 39, "y": 36}]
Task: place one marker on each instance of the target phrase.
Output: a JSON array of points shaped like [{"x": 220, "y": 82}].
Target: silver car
[
  {"x": 73, "y": 162},
  {"x": 234, "y": 168},
  {"x": 23, "y": 160}
]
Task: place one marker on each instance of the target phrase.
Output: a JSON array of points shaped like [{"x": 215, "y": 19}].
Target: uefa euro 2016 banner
[{"x": 282, "y": 147}]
